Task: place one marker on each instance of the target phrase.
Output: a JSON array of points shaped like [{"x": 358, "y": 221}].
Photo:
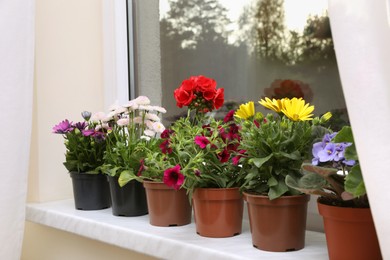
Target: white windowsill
[{"x": 135, "y": 233}]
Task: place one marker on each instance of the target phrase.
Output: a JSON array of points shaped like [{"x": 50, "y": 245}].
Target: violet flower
[{"x": 63, "y": 127}]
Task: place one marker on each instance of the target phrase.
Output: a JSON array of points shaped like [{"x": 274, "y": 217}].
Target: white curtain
[
  {"x": 16, "y": 92},
  {"x": 361, "y": 33}
]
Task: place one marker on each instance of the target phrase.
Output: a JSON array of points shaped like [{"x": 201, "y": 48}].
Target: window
[{"x": 253, "y": 49}]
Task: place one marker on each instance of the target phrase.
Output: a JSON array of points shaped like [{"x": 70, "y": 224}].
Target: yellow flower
[
  {"x": 245, "y": 111},
  {"x": 297, "y": 110},
  {"x": 274, "y": 104}
]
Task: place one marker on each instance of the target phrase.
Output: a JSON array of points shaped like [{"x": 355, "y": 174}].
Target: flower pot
[
  {"x": 90, "y": 191},
  {"x": 218, "y": 211},
  {"x": 350, "y": 233},
  {"x": 167, "y": 207},
  {"x": 129, "y": 200},
  {"x": 277, "y": 225}
]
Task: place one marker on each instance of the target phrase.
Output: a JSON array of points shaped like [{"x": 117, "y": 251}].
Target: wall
[{"x": 68, "y": 80}]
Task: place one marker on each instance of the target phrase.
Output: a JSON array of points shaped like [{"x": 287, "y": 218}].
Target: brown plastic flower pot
[
  {"x": 218, "y": 212},
  {"x": 350, "y": 233},
  {"x": 167, "y": 207},
  {"x": 277, "y": 225}
]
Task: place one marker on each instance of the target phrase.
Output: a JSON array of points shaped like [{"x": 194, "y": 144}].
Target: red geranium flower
[
  {"x": 219, "y": 98},
  {"x": 173, "y": 177}
]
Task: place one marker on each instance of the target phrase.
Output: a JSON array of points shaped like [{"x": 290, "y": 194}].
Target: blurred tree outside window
[{"x": 253, "y": 49}]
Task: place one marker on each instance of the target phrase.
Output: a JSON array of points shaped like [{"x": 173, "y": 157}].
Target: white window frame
[{"x": 118, "y": 57}]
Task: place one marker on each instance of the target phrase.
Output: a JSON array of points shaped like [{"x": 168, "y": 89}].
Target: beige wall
[{"x": 68, "y": 80}]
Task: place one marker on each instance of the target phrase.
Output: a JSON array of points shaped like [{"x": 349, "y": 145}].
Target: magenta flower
[
  {"x": 201, "y": 141},
  {"x": 236, "y": 159},
  {"x": 88, "y": 132},
  {"x": 166, "y": 133},
  {"x": 173, "y": 177},
  {"x": 229, "y": 116},
  {"x": 224, "y": 156},
  {"x": 141, "y": 167},
  {"x": 165, "y": 147},
  {"x": 63, "y": 127}
]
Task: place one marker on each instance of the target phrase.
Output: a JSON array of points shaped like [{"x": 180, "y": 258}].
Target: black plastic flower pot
[
  {"x": 90, "y": 191},
  {"x": 129, "y": 200}
]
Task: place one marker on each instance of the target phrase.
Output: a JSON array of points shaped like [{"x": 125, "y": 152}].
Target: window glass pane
[{"x": 253, "y": 49}]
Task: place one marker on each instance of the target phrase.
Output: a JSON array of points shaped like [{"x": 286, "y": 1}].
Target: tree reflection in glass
[{"x": 252, "y": 48}]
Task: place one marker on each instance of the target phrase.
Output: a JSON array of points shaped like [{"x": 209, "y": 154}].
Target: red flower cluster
[{"x": 199, "y": 93}]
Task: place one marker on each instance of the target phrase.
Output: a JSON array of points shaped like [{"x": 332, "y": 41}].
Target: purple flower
[
  {"x": 328, "y": 153},
  {"x": 63, "y": 127},
  {"x": 80, "y": 125},
  {"x": 88, "y": 132}
]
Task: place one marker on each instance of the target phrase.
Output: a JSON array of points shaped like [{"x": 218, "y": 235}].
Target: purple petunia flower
[{"x": 63, "y": 127}]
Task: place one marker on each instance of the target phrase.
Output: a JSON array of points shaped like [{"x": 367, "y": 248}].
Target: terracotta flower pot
[
  {"x": 90, "y": 191},
  {"x": 218, "y": 211},
  {"x": 350, "y": 233},
  {"x": 277, "y": 225},
  {"x": 167, "y": 207},
  {"x": 129, "y": 200}
]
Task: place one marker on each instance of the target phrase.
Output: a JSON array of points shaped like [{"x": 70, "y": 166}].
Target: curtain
[
  {"x": 16, "y": 92},
  {"x": 361, "y": 33}
]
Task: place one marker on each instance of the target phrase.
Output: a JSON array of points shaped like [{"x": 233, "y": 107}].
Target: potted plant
[
  {"x": 275, "y": 145},
  {"x": 134, "y": 128},
  {"x": 196, "y": 155},
  {"x": 335, "y": 175},
  {"x": 85, "y": 145}
]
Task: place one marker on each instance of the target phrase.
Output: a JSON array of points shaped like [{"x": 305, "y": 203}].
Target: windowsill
[{"x": 136, "y": 234}]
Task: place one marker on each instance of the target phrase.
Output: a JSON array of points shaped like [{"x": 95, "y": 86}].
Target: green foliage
[
  {"x": 275, "y": 149},
  {"x": 84, "y": 153}
]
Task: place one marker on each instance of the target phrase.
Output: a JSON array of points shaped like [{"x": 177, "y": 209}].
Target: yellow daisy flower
[
  {"x": 246, "y": 111},
  {"x": 274, "y": 104},
  {"x": 297, "y": 110}
]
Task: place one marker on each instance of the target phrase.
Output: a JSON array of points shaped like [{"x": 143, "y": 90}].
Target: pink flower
[
  {"x": 173, "y": 177},
  {"x": 201, "y": 141},
  {"x": 237, "y": 158}
]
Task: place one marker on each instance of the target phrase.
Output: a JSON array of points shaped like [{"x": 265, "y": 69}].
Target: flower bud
[
  {"x": 86, "y": 115},
  {"x": 325, "y": 117}
]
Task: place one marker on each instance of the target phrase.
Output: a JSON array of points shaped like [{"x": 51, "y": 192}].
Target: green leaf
[
  {"x": 293, "y": 156},
  {"x": 277, "y": 190},
  {"x": 272, "y": 181},
  {"x": 260, "y": 161},
  {"x": 125, "y": 177},
  {"x": 354, "y": 182},
  {"x": 344, "y": 135}
]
